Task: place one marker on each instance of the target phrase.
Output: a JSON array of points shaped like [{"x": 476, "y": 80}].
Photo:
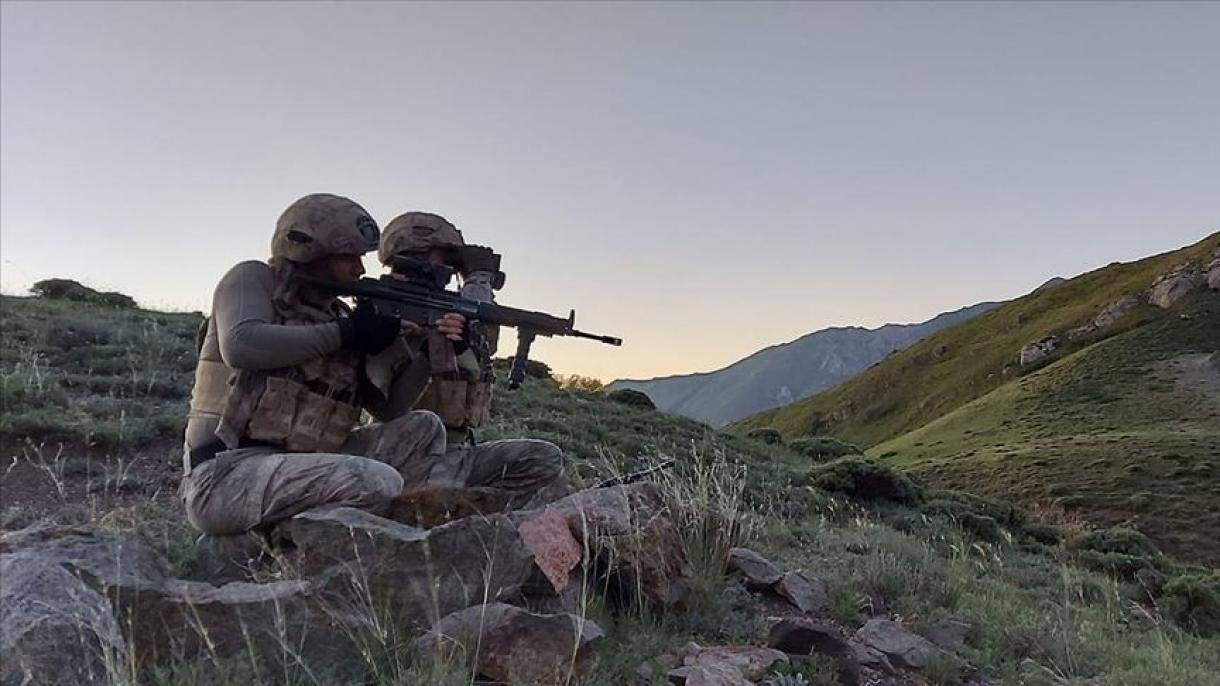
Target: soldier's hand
[
  {"x": 410, "y": 328},
  {"x": 451, "y": 325},
  {"x": 367, "y": 330}
]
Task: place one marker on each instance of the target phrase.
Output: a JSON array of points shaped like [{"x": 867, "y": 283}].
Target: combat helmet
[
  {"x": 417, "y": 232},
  {"x": 321, "y": 225}
]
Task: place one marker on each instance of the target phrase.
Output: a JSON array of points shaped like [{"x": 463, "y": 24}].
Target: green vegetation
[
  {"x": 821, "y": 448},
  {"x": 1126, "y": 431},
  {"x": 67, "y": 289},
  {"x": 1099, "y": 607},
  {"x": 766, "y": 435},
  {"x": 628, "y": 396},
  {"x": 93, "y": 374},
  {"x": 948, "y": 369}
]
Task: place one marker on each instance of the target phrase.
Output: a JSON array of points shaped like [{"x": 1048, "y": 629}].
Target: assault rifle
[{"x": 421, "y": 297}]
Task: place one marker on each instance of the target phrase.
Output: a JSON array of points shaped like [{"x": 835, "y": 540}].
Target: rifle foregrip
[{"x": 516, "y": 375}]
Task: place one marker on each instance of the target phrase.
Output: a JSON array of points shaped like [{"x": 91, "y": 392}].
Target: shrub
[
  {"x": 576, "y": 382},
  {"x": 821, "y": 448},
  {"x": 1118, "y": 540},
  {"x": 1193, "y": 601},
  {"x": 633, "y": 398},
  {"x": 863, "y": 479},
  {"x": 67, "y": 289},
  {"x": 766, "y": 435},
  {"x": 534, "y": 369}
]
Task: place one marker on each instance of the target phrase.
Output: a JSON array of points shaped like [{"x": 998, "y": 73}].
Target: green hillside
[
  {"x": 948, "y": 369},
  {"x": 1126, "y": 431},
  {"x": 1041, "y": 610}
]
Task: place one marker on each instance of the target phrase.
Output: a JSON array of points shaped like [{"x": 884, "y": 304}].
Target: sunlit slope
[
  {"x": 1127, "y": 430},
  {"x": 948, "y": 369}
]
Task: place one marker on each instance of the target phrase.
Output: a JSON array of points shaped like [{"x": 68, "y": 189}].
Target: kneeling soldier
[
  {"x": 283, "y": 376},
  {"x": 460, "y": 385}
]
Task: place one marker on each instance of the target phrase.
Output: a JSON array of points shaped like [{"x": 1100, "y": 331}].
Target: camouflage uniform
[
  {"x": 460, "y": 387},
  {"x": 272, "y": 429}
]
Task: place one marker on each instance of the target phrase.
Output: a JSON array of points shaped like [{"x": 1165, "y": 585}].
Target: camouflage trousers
[{"x": 248, "y": 488}]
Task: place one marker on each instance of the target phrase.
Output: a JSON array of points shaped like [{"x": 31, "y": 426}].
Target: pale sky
[{"x": 701, "y": 179}]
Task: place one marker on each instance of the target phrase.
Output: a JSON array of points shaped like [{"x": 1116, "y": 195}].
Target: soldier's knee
[{"x": 373, "y": 485}]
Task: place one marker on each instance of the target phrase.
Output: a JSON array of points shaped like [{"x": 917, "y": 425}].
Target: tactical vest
[
  {"x": 308, "y": 408},
  {"x": 459, "y": 389}
]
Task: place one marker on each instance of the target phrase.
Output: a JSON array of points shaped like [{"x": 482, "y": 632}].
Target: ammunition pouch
[
  {"x": 294, "y": 415},
  {"x": 460, "y": 404}
]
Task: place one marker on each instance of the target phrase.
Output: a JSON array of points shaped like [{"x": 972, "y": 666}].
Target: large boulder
[
  {"x": 514, "y": 646},
  {"x": 1114, "y": 311},
  {"x": 1037, "y": 351},
  {"x": 806, "y": 592},
  {"x": 802, "y": 636},
  {"x": 901, "y": 647},
  {"x": 54, "y": 628},
  {"x": 1171, "y": 287},
  {"x": 418, "y": 575},
  {"x": 758, "y": 571},
  {"x": 113, "y": 580},
  {"x": 1213, "y": 274},
  {"x": 628, "y": 530}
]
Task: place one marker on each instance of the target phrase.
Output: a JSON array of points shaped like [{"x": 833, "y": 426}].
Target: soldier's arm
[
  {"x": 477, "y": 286},
  {"x": 247, "y": 334}
]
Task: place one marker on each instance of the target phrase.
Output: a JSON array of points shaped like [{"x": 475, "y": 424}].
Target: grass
[
  {"x": 93, "y": 374},
  {"x": 952, "y": 367},
  {"x": 937, "y": 554},
  {"x": 1104, "y": 432}
]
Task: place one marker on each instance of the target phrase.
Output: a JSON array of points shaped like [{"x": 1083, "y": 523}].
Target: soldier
[
  {"x": 283, "y": 376},
  {"x": 460, "y": 387}
]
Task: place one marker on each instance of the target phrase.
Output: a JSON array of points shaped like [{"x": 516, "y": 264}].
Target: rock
[
  {"x": 950, "y": 634},
  {"x": 801, "y": 636},
  {"x": 902, "y": 648},
  {"x": 651, "y": 670},
  {"x": 725, "y": 665},
  {"x": 514, "y": 645},
  {"x": 432, "y": 506},
  {"x": 54, "y": 629},
  {"x": 419, "y": 575},
  {"x": 627, "y": 528},
  {"x": 1114, "y": 311},
  {"x": 807, "y": 593},
  {"x": 758, "y": 571},
  {"x": 1038, "y": 350},
  {"x": 1213, "y": 275},
  {"x": 556, "y": 551},
  {"x": 1172, "y": 287},
  {"x": 231, "y": 558},
  {"x": 164, "y": 618}
]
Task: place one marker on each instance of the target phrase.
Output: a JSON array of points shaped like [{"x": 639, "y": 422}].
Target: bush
[
  {"x": 576, "y": 382},
  {"x": 863, "y": 479},
  {"x": 634, "y": 398},
  {"x": 1193, "y": 601},
  {"x": 534, "y": 369},
  {"x": 1119, "y": 540},
  {"x": 766, "y": 435},
  {"x": 822, "y": 448},
  {"x": 67, "y": 289}
]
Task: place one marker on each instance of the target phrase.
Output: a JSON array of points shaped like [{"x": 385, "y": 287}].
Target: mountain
[
  {"x": 948, "y": 369},
  {"x": 780, "y": 374},
  {"x": 1098, "y": 398}
]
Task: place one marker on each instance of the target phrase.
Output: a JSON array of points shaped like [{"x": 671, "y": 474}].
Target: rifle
[{"x": 421, "y": 298}]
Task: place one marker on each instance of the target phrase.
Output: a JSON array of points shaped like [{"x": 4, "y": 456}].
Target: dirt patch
[
  {"x": 1197, "y": 373},
  {"x": 44, "y": 479}
]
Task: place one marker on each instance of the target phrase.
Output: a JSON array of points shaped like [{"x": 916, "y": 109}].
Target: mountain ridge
[{"x": 784, "y": 372}]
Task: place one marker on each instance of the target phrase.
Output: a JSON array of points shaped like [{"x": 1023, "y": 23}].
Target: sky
[{"x": 703, "y": 180}]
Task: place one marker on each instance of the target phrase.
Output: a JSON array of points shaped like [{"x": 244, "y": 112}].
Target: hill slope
[
  {"x": 779, "y": 374},
  {"x": 1033, "y": 610},
  {"x": 948, "y": 369},
  {"x": 1125, "y": 431}
]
